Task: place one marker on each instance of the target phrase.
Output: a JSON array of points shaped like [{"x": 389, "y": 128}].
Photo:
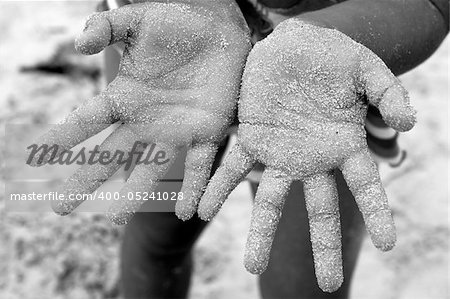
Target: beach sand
[{"x": 47, "y": 256}]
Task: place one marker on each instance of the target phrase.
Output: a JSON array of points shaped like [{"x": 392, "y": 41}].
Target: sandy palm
[
  {"x": 303, "y": 103},
  {"x": 177, "y": 86}
]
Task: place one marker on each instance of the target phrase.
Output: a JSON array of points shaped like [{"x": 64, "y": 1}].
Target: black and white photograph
[{"x": 224, "y": 149}]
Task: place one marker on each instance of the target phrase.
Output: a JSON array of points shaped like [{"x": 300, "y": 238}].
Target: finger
[
  {"x": 144, "y": 178},
  {"x": 236, "y": 166},
  {"x": 93, "y": 174},
  {"x": 385, "y": 92},
  {"x": 362, "y": 178},
  {"x": 323, "y": 212},
  {"x": 199, "y": 161},
  {"x": 266, "y": 214},
  {"x": 106, "y": 28},
  {"x": 396, "y": 109},
  {"x": 92, "y": 117}
]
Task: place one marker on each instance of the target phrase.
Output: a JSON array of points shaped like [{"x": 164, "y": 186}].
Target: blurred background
[{"x": 42, "y": 78}]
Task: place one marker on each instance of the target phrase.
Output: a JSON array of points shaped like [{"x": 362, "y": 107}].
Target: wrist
[
  {"x": 298, "y": 22},
  {"x": 311, "y": 20}
]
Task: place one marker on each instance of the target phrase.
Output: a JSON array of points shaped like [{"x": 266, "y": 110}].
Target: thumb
[
  {"x": 385, "y": 92},
  {"x": 95, "y": 36},
  {"x": 396, "y": 109},
  {"x": 108, "y": 27}
]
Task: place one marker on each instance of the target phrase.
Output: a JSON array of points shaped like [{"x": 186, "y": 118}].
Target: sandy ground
[{"x": 46, "y": 256}]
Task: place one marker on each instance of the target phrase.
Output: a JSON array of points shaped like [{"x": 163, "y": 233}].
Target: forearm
[{"x": 402, "y": 33}]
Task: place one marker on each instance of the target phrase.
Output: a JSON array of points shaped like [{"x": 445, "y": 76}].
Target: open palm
[
  {"x": 304, "y": 98},
  {"x": 177, "y": 86}
]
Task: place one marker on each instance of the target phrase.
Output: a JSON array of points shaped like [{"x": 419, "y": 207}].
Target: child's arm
[{"x": 402, "y": 33}]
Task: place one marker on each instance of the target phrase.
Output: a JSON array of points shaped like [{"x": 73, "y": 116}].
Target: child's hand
[
  {"x": 304, "y": 98},
  {"x": 177, "y": 86}
]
